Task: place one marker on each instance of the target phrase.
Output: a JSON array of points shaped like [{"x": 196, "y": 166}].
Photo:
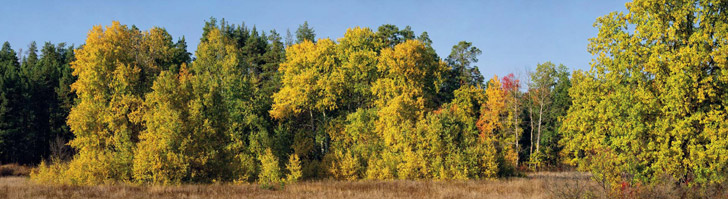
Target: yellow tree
[
  {"x": 115, "y": 69},
  {"x": 481, "y": 155},
  {"x": 511, "y": 124},
  {"x": 654, "y": 103},
  {"x": 312, "y": 86},
  {"x": 410, "y": 80},
  {"x": 358, "y": 53},
  {"x": 489, "y": 121},
  {"x": 354, "y": 144},
  {"x": 449, "y": 142},
  {"x": 160, "y": 156},
  {"x": 307, "y": 87},
  {"x": 491, "y": 125}
]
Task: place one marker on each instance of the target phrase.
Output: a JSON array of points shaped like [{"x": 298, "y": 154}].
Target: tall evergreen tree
[
  {"x": 389, "y": 35},
  {"x": 10, "y": 101},
  {"x": 304, "y": 33},
  {"x": 289, "y": 38},
  {"x": 461, "y": 73}
]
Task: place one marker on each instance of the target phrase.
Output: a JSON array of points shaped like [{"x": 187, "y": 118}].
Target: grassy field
[{"x": 537, "y": 185}]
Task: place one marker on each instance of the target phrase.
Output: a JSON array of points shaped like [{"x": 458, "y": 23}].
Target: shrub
[
  {"x": 270, "y": 173},
  {"x": 294, "y": 169}
]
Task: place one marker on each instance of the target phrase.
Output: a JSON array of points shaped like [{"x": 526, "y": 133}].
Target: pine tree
[
  {"x": 10, "y": 101},
  {"x": 305, "y": 33}
]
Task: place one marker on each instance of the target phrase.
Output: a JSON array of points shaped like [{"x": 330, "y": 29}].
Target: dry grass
[
  {"x": 536, "y": 185},
  {"x": 14, "y": 170},
  {"x": 539, "y": 185}
]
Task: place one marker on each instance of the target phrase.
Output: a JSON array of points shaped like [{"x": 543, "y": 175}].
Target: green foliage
[
  {"x": 463, "y": 54},
  {"x": 461, "y": 72},
  {"x": 10, "y": 102},
  {"x": 542, "y": 82},
  {"x": 370, "y": 105},
  {"x": 36, "y": 99},
  {"x": 560, "y": 103},
  {"x": 449, "y": 140},
  {"x": 389, "y": 35},
  {"x": 304, "y": 33},
  {"x": 653, "y": 105}
]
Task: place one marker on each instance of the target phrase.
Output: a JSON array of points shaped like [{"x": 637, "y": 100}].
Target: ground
[{"x": 535, "y": 185}]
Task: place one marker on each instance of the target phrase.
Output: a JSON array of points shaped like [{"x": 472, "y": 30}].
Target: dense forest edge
[{"x": 134, "y": 106}]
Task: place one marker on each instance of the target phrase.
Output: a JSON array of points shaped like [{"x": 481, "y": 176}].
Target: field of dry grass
[
  {"x": 535, "y": 185},
  {"x": 14, "y": 170},
  {"x": 538, "y": 185}
]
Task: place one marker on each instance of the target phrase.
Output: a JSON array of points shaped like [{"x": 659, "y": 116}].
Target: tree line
[
  {"x": 253, "y": 106},
  {"x": 135, "y": 106}
]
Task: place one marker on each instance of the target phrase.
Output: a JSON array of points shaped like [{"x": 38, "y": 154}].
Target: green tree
[
  {"x": 560, "y": 103},
  {"x": 216, "y": 90},
  {"x": 36, "y": 107},
  {"x": 540, "y": 92},
  {"x": 460, "y": 59},
  {"x": 305, "y": 33},
  {"x": 461, "y": 73},
  {"x": 354, "y": 144},
  {"x": 449, "y": 140},
  {"x": 10, "y": 101},
  {"x": 653, "y": 105},
  {"x": 389, "y": 35},
  {"x": 289, "y": 38},
  {"x": 51, "y": 97}
]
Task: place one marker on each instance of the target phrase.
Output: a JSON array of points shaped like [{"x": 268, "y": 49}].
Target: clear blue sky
[{"x": 513, "y": 35}]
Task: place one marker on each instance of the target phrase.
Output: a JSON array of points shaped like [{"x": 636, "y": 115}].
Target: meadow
[
  {"x": 15, "y": 183},
  {"x": 567, "y": 184},
  {"x": 536, "y": 185}
]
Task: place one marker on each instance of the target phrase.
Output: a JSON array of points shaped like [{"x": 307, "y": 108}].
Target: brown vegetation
[
  {"x": 14, "y": 170},
  {"x": 536, "y": 185}
]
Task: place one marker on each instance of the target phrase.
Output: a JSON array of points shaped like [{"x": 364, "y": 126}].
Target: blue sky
[{"x": 513, "y": 35}]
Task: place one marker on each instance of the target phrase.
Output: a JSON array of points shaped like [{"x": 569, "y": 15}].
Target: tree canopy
[
  {"x": 249, "y": 105},
  {"x": 653, "y": 105}
]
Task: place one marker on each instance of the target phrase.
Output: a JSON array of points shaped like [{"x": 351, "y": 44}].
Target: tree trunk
[
  {"x": 313, "y": 128},
  {"x": 530, "y": 116},
  {"x": 538, "y": 136},
  {"x": 515, "y": 126}
]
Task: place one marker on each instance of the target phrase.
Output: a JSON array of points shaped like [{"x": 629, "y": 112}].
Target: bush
[
  {"x": 270, "y": 173},
  {"x": 50, "y": 173},
  {"x": 294, "y": 169}
]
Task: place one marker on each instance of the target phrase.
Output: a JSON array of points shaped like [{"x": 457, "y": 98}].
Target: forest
[{"x": 253, "y": 106}]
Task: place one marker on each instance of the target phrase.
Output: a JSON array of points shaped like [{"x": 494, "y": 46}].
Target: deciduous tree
[{"x": 653, "y": 104}]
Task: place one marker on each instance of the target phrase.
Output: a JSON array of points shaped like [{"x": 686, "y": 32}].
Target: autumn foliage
[
  {"x": 653, "y": 106},
  {"x": 381, "y": 105}
]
